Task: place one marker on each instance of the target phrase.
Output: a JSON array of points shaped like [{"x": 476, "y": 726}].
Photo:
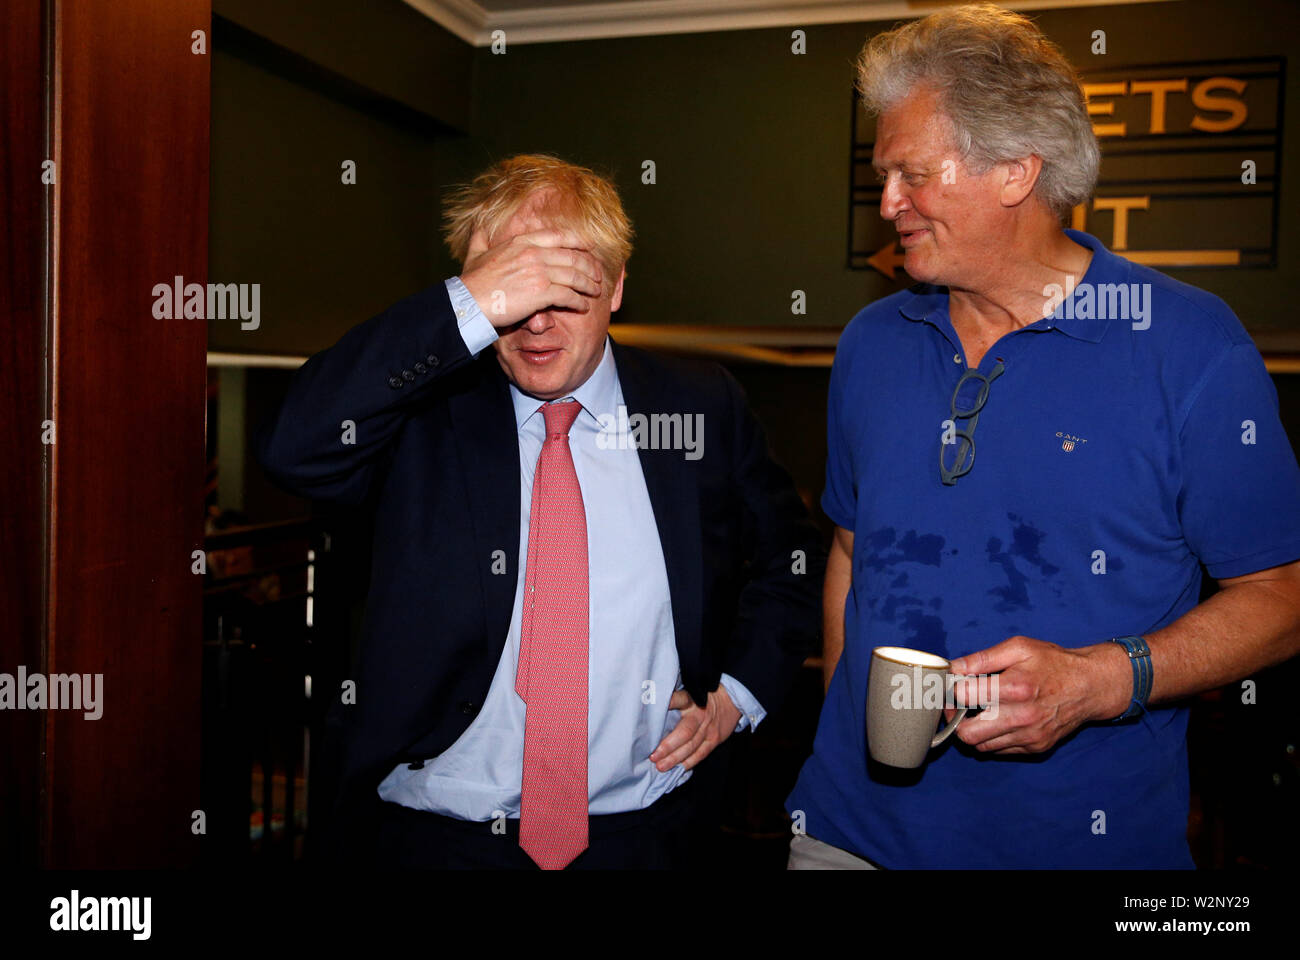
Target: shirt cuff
[
  {"x": 751, "y": 711},
  {"x": 475, "y": 328}
]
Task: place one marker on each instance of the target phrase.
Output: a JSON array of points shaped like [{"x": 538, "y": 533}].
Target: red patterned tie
[{"x": 552, "y": 672}]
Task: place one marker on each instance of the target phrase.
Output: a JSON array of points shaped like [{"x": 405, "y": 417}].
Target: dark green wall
[
  {"x": 752, "y": 148},
  {"x": 751, "y": 145},
  {"x": 384, "y": 46},
  {"x": 289, "y": 105},
  {"x": 323, "y": 253}
]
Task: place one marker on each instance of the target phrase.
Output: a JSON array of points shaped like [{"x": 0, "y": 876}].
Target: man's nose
[
  {"x": 539, "y": 322},
  {"x": 892, "y": 199}
]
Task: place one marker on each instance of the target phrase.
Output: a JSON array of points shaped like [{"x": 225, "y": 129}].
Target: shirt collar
[
  {"x": 597, "y": 394},
  {"x": 926, "y": 300}
]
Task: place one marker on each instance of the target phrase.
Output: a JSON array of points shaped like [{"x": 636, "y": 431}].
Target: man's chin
[
  {"x": 540, "y": 382},
  {"x": 920, "y": 268},
  {"x": 549, "y": 386}
]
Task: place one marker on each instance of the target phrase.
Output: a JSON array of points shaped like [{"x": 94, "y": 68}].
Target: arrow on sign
[{"x": 886, "y": 260}]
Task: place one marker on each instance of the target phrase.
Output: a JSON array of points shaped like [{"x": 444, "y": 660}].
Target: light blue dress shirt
[{"x": 633, "y": 665}]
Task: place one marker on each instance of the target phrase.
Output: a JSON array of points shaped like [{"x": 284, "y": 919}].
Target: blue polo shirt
[{"x": 1144, "y": 435}]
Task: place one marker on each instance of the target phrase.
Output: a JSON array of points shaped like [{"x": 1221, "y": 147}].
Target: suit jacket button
[
  {"x": 407, "y": 375},
  {"x": 467, "y": 708},
  {"x": 421, "y": 368},
  {"x": 417, "y": 765},
  {"x": 396, "y": 382},
  {"x": 431, "y": 360}
]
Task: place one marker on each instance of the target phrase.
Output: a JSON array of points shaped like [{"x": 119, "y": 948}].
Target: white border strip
[
  {"x": 474, "y": 24},
  {"x": 278, "y": 361},
  {"x": 465, "y": 18}
]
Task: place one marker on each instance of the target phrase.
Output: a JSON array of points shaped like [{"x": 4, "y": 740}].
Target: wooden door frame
[{"x": 101, "y": 524}]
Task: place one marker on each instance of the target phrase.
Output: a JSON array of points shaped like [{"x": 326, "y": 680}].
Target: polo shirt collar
[
  {"x": 598, "y": 394},
  {"x": 926, "y": 301}
]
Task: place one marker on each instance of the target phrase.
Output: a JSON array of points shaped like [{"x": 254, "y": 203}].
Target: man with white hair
[{"x": 1127, "y": 434}]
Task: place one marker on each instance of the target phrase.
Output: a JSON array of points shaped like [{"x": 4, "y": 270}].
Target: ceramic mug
[{"x": 906, "y": 693}]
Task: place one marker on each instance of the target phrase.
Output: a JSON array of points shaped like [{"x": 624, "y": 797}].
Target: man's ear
[
  {"x": 616, "y": 300},
  {"x": 478, "y": 243},
  {"x": 1019, "y": 179}
]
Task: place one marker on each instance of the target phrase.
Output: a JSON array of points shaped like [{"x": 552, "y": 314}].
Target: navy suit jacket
[{"x": 436, "y": 457}]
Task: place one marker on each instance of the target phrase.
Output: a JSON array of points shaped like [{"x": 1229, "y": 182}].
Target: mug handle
[{"x": 946, "y": 732}]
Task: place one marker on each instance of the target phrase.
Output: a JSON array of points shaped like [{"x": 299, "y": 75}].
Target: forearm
[
  {"x": 1238, "y": 631},
  {"x": 835, "y": 591},
  {"x": 832, "y": 630}
]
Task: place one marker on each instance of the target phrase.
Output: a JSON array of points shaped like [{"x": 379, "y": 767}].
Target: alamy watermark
[
  {"x": 61, "y": 691},
  {"x": 1100, "y": 301},
  {"x": 213, "y": 301},
  {"x": 921, "y": 689},
  {"x": 75, "y": 913},
  {"x": 655, "y": 431}
]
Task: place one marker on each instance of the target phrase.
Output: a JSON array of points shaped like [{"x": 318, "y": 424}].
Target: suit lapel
[
  {"x": 674, "y": 497},
  {"x": 483, "y": 420}
]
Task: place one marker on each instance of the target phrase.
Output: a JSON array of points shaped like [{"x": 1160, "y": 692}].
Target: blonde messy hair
[
  {"x": 582, "y": 201},
  {"x": 1007, "y": 90}
]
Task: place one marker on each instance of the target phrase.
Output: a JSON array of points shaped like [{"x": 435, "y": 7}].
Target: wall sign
[{"x": 1191, "y": 155}]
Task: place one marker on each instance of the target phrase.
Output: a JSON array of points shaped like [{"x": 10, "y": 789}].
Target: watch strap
[{"x": 1139, "y": 655}]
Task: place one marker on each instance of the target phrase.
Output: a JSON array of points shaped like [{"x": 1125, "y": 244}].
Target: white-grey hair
[{"x": 1006, "y": 90}]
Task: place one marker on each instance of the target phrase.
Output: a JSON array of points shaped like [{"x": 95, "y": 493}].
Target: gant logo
[{"x": 1069, "y": 441}]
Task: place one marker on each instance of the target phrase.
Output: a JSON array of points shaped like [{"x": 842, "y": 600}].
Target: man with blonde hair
[
  {"x": 1127, "y": 433},
  {"x": 588, "y": 569}
]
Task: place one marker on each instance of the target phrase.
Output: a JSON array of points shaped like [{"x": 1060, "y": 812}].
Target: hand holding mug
[{"x": 906, "y": 694}]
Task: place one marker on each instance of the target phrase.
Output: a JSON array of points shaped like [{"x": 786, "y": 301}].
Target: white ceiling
[{"x": 542, "y": 21}]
